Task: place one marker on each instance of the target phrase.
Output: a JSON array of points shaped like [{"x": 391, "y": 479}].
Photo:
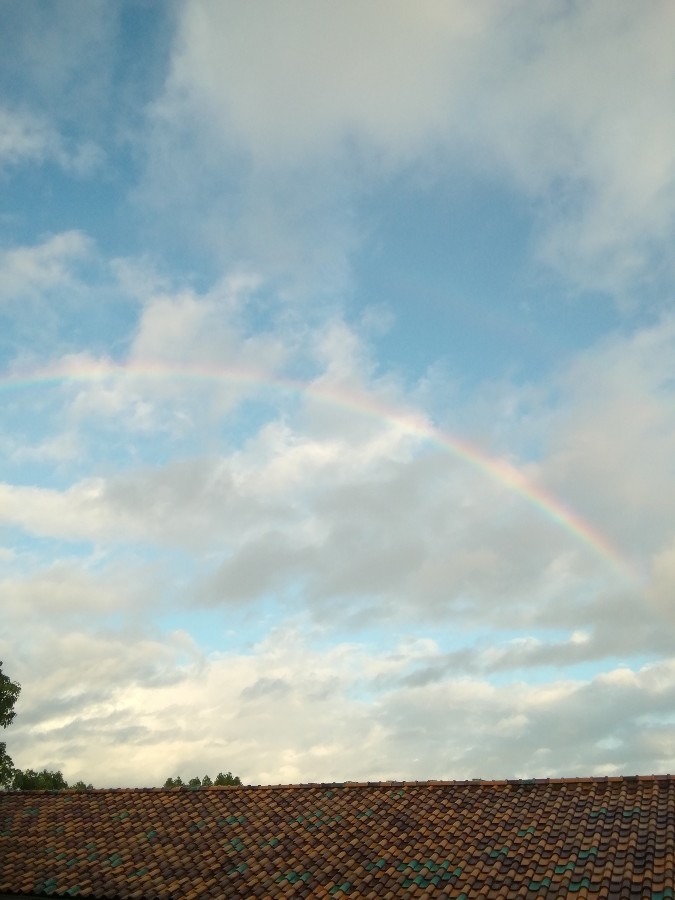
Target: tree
[
  {"x": 9, "y": 691},
  {"x": 228, "y": 779},
  {"x": 30, "y": 780},
  {"x": 173, "y": 782},
  {"x": 81, "y": 786},
  {"x": 6, "y": 765}
]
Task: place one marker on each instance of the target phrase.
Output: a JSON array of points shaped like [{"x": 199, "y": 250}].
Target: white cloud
[
  {"x": 372, "y": 531},
  {"x": 24, "y": 138},
  {"x": 29, "y": 271},
  {"x": 357, "y": 505},
  {"x": 208, "y": 330},
  {"x": 288, "y": 711},
  {"x": 197, "y": 460},
  {"x": 662, "y": 585},
  {"x": 75, "y": 514},
  {"x": 29, "y": 138},
  {"x": 77, "y": 590},
  {"x": 568, "y": 103},
  {"x": 611, "y": 444},
  {"x": 62, "y": 448},
  {"x": 292, "y": 84}
]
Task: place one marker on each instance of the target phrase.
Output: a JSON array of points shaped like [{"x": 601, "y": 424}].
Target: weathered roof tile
[{"x": 582, "y": 837}]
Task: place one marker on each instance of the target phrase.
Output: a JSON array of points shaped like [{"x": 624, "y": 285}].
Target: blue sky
[{"x": 337, "y": 388}]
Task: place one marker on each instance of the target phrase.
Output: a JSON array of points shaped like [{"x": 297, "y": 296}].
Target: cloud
[
  {"x": 234, "y": 534},
  {"x": 191, "y": 360},
  {"x": 64, "y": 447},
  {"x": 75, "y": 514},
  {"x": 379, "y": 74},
  {"x": 43, "y": 285},
  {"x": 29, "y": 138},
  {"x": 212, "y": 330},
  {"x": 568, "y": 104},
  {"x": 24, "y": 138},
  {"x": 662, "y": 584},
  {"x": 325, "y": 503},
  {"x": 367, "y": 519},
  {"x": 28, "y": 271},
  {"x": 342, "y": 521},
  {"x": 84, "y": 591},
  {"x": 611, "y": 442},
  {"x": 222, "y": 713},
  {"x": 62, "y": 66}
]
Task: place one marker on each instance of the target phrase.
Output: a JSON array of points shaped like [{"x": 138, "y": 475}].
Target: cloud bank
[{"x": 248, "y": 520}]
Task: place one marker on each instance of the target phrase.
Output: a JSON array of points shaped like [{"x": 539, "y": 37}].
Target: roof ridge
[{"x": 469, "y": 782}]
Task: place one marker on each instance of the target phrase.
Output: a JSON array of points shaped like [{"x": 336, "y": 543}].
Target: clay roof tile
[{"x": 520, "y": 837}]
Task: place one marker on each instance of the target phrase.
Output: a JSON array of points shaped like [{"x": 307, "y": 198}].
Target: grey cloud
[
  {"x": 268, "y": 564},
  {"x": 615, "y": 431},
  {"x": 526, "y": 95},
  {"x": 593, "y": 727},
  {"x": 264, "y": 688},
  {"x": 360, "y": 529},
  {"x": 319, "y": 520},
  {"x": 301, "y": 712}
]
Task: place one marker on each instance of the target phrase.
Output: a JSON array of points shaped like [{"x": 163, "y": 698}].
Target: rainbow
[{"x": 79, "y": 369}]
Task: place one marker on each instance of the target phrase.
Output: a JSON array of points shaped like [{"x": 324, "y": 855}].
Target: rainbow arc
[{"x": 498, "y": 469}]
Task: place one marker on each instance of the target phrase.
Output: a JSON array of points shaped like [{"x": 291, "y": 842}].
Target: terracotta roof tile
[{"x": 576, "y": 837}]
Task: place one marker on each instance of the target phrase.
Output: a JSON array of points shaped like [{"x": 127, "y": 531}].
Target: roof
[{"x": 608, "y": 837}]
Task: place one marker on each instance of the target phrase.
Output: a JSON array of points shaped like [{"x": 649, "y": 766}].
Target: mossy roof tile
[{"x": 540, "y": 837}]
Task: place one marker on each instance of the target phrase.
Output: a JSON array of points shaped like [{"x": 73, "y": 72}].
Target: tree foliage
[
  {"x": 30, "y": 780},
  {"x": 6, "y": 765},
  {"x": 9, "y": 692},
  {"x": 227, "y": 779},
  {"x": 173, "y": 782}
]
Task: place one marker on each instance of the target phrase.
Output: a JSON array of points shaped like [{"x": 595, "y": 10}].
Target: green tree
[
  {"x": 81, "y": 786},
  {"x": 173, "y": 782},
  {"x": 6, "y": 765},
  {"x": 9, "y": 691},
  {"x": 228, "y": 779},
  {"x": 30, "y": 780}
]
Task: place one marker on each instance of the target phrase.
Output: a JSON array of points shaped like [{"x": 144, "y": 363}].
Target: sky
[{"x": 337, "y": 388}]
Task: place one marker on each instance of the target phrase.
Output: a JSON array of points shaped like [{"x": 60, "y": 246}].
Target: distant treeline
[
  {"x": 30, "y": 780},
  {"x": 227, "y": 779}
]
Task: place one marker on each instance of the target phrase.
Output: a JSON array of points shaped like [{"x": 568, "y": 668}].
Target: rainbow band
[{"x": 497, "y": 469}]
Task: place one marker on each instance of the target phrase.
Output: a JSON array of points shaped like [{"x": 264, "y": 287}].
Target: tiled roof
[{"x": 581, "y": 837}]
